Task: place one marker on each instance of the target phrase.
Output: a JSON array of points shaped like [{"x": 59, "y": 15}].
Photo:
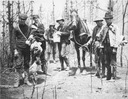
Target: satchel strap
[{"x": 21, "y": 32}]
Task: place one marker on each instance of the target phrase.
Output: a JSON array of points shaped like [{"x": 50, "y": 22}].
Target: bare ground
[{"x": 62, "y": 86}]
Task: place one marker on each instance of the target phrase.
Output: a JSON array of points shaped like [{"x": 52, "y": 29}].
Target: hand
[
  {"x": 123, "y": 42},
  {"x": 114, "y": 50},
  {"x": 16, "y": 53},
  {"x": 84, "y": 47}
]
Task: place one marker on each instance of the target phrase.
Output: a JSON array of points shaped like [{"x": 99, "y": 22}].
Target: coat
[
  {"x": 65, "y": 34},
  {"x": 114, "y": 35},
  {"x": 19, "y": 39}
]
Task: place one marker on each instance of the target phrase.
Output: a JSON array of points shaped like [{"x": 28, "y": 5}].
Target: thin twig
[
  {"x": 55, "y": 93},
  {"x": 44, "y": 83},
  {"x": 37, "y": 92},
  {"x": 44, "y": 87},
  {"x": 126, "y": 76},
  {"x": 33, "y": 90}
]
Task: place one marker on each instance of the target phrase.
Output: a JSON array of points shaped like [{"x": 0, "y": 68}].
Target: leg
[
  {"x": 78, "y": 55},
  {"x": 60, "y": 57},
  {"x": 97, "y": 61},
  {"x": 83, "y": 58},
  {"x": 42, "y": 57},
  {"x": 26, "y": 54},
  {"x": 49, "y": 51},
  {"x": 64, "y": 53},
  {"x": 54, "y": 51},
  {"x": 102, "y": 59},
  {"x": 108, "y": 60},
  {"x": 113, "y": 64}
]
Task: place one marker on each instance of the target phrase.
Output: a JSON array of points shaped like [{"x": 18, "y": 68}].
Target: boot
[
  {"x": 109, "y": 73},
  {"x": 103, "y": 71},
  {"x": 98, "y": 71},
  {"x": 17, "y": 84},
  {"x": 17, "y": 81},
  {"x": 62, "y": 63},
  {"x": 44, "y": 67},
  {"x": 26, "y": 81},
  {"x": 67, "y": 63}
]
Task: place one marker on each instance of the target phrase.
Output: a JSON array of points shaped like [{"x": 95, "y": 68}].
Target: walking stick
[{"x": 91, "y": 64}]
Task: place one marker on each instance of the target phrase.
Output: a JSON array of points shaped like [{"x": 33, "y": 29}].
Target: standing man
[
  {"x": 39, "y": 27},
  {"x": 51, "y": 44},
  {"x": 20, "y": 33},
  {"x": 64, "y": 41},
  {"x": 110, "y": 39},
  {"x": 95, "y": 46}
]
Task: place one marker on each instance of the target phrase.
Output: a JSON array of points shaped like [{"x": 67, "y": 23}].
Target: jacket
[
  {"x": 18, "y": 39},
  {"x": 38, "y": 32},
  {"x": 65, "y": 34},
  {"x": 113, "y": 33}
]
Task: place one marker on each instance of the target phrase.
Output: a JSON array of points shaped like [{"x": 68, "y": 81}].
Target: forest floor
[{"x": 79, "y": 86}]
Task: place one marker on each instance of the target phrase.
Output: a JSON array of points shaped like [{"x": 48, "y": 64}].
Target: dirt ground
[{"x": 79, "y": 86}]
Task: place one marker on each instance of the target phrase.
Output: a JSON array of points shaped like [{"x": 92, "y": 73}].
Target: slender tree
[{"x": 123, "y": 27}]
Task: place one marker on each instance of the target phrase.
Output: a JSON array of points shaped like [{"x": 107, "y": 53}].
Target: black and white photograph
[{"x": 63, "y": 49}]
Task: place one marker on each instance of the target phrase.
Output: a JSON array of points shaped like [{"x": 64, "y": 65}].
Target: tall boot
[
  {"x": 62, "y": 63},
  {"x": 98, "y": 70},
  {"x": 26, "y": 81},
  {"x": 109, "y": 72},
  {"x": 17, "y": 81},
  {"x": 67, "y": 62},
  {"x": 44, "y": 67},
  {"x": 103, "y": 70}
]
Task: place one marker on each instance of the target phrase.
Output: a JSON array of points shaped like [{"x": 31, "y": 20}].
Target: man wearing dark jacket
[
  {"x": 94, "y": 42},
  {"x": 64, "y": 34},
  {"x": 37, "y": 29},
  {"x": 20, "y": 33}
]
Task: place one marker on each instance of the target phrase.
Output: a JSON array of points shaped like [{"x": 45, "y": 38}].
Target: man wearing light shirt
[{"x": 110, "y": 40}]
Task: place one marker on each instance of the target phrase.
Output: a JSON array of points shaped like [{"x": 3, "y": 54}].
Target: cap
[{"x": 23, "y": 16}]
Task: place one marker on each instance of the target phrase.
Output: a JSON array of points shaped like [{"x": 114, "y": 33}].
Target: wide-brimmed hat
[
  {"x": 108, "y": 15},
  {"x": 52, "y": 25},
  {"x": 23, "y": 16},
  {"x": 35, "y": 16},
  {"x": 98, "y": 19},
  {"x": 60, "y": 19}
]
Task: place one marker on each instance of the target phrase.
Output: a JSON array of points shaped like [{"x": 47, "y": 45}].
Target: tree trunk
[{"x": 124, "y": 13}]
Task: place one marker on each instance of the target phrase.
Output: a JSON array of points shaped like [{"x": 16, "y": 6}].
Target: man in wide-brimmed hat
[
  {"x": 94, "y": 43},
  {"x": 64, "y": 41},
  {"x": 51, "y": 44},
  {"x": 37, "y": 29},
  {"x": 110, "y": 39}
]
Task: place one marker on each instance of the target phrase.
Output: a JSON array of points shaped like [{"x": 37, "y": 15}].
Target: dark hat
[
  {"x": 35, "y": 16},
  {"x": 23, "y": 16},
  {"x": 60, "y": 20},
  {"x": 108, "y": 15},
  {"x": 98, "y": 19}
]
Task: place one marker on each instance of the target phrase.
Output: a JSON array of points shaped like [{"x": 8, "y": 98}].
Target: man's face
[
  {"x": 52, "y": 27},
  {"x": 99, "y": 23},
  {"x": 22, "y": 21},
  {"x": 108, "y": 20},
  {"x": 36, "y": 20},
  {"x": 60, "y": 22}
]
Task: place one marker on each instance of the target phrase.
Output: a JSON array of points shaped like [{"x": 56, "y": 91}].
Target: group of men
[
  {"x": 105, "y": 37},
  {"x": 105, "y": 41},
  {"x": 21, "y": 33}
]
